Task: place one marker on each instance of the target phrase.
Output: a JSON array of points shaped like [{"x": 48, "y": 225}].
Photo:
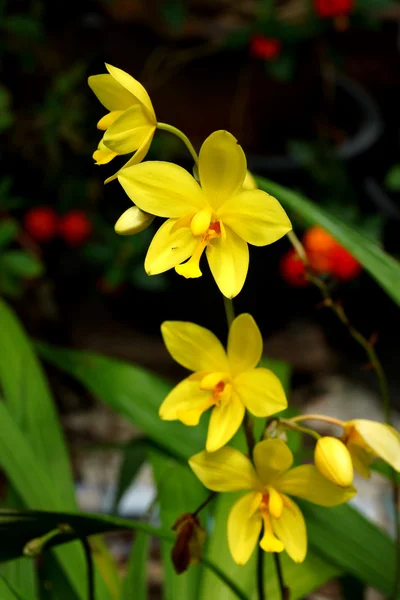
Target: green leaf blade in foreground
[
  {"x": 31, "y": 405},
  {"x": 19, "y": 527},
  {"x": 135, "y": 582},
  {"x": 383, "y": 267},
  {"x": 131, "y": 391},
  {"x": 178, "y": 492},
  {"x": 344, "y": 536}
]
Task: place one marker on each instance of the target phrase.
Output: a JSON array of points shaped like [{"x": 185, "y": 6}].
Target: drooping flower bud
[
  {"x": 190, "y": 537},
  {"x": 333, "y": 461},
  {"x": 133, "y": 221}
]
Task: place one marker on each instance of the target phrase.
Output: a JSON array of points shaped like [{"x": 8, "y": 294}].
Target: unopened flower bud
[
  {"x": 133, "y": 221},
  {"x": 333, "y": 461},
  {"x": 190, "y": 537}
]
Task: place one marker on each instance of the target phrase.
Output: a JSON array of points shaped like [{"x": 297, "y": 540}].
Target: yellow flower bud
[
  {"x": 333, "y": 461},
  {"x": 133, "y": 221}
]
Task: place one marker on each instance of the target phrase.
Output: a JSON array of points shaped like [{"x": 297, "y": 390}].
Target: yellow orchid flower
[
  {"x": 216, "y": 215},
  {"x": 228, "y": 382},
  {"x": 267, "y": 503},
  {"x": 131, "y": 121},
  {"x": 368, "y": 439}
]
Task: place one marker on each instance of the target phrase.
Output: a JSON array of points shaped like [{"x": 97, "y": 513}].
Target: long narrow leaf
[
  {"x": 178, "y": 492},
  {"x": 30, "y": 403},
  {"x": 133, "y": 392},
  {"x": 135, "y": 582},
  {"x": 19, "y": 527},
  {"x": 349, "y": 540}
]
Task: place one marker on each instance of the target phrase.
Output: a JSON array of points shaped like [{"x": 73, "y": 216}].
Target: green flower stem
[
  {"x": 204, "y": 504},
  {"x": 324, "y": 418},
  {"x": 260, "y": 573},
  {"x": 184, "y": 138},
  {"x": 373, "y": 359},
  {"x": 283, "y": 589},
  {"x": 89, "y": 566},
  {"x": 251, "y": 442},
  {"x": 294, "y": 427},
  {"x": 229, "y": 311}
]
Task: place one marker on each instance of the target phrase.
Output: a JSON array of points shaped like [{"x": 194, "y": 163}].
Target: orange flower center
[
  {"x": 218, "y": 389},
  {"x": 191, "y": 268}
]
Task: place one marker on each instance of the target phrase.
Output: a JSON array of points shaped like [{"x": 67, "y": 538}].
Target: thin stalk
[
  {"x": 251, "y": 442},
  {"x": 324, "y": 418},
  {"x": 368, "y": 346},
  {"x": 223, "y": 577},
  {"x": 229, "y": 311},
  {"x": 184, "y": 138},
  {"x": 260, "y": 573},
  {"x": 89, "y": 566},
  {"x": 283, "y": 589},
  {"x": 204, "y": 503},
  {"x": 294, "y": 427}
]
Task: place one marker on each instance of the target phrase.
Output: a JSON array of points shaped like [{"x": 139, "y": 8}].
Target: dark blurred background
[{"x": 310, "y": 89}]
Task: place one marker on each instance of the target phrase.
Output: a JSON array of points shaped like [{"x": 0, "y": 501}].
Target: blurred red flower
[
  {"x": 293, "y": 270},
  {"x": 265, "y": 48},
  {"x": 41, "y": 223},
  {"x": 333, "y": 8},
  {"x": 75, "y": 228}
]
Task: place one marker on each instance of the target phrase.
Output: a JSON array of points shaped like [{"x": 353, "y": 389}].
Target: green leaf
[
  {"x": 20, "y": 573},
  {"x": 17, "y": 528},
  {"x": 30, "y": 403},
  {"x": 134, "y": 455},
  {"x": 21, "y": 577},
  {"x": 8, "y": 230},
  {"x": 21, "y": 264},
  {"x": 7, "y": 591},
  {"x": 133, "y": 392},
  {"x": 135, "y": 582},
  {"x": 22, "y": 25},
  {"x": 347, "y": 539},
  {"x": 34, "y": 455},
  {"x": 383, "y": 267},
  {"x": 178, "y": 492},
  {"x": 392, "y": 180}
]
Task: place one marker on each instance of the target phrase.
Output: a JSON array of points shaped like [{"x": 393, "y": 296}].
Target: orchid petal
[
  {"x": 222, "y": 167},
  {"x": 226, "y": 470},
  {"x": 229, "y": 262},
  {"x": 168, "y": 249},
  {"x": 194, "y": 347},
  {"x": 133, "y": 86},
  {"x": 244, "y": 344},
  {"x": 291, "y": 530},
  {"x": 162, "y": 189},
  {"x": 261, "y": 392},
  {"x": 256, "y": 217},
  {"x": 244, "y": 527},
  {"x": 308, "y": 483},
  {"x": 110, "y": 93},
  {"x": 224, "y": 422},
  {"x": 272, "y": 457}
]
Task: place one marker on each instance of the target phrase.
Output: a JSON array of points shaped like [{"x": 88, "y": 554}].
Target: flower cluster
[
  {"x": 325, "y": 256},
  {"x": 43, "y": 224},
  {"x": 219, "y": 211}
]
